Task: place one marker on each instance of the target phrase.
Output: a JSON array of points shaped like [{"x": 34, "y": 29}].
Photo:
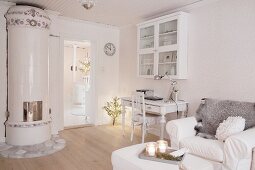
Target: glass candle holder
[
  {"x": 151, "y": 148},
  {"x": 162, "y": 146}
]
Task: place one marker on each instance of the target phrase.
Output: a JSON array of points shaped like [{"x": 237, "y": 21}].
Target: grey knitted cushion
[{"x": 212, "y": 112}]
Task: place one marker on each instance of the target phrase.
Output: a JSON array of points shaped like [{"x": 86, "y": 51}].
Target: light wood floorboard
[{"x": 88, "y": 148}]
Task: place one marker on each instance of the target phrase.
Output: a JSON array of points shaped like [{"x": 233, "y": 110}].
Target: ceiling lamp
[{"x": 88, "y": 4}]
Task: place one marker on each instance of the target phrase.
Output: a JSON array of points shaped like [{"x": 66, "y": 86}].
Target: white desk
[{"x": 156, "y": 107}]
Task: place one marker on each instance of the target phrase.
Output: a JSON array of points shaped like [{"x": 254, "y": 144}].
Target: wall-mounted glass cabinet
[
  {"x": 147, "y": 37},
  {"x": 162, "y": 46},
  {"x": 167, "y": 63},
  {"x": 146, "y": 64},
  {"x": 168, "y": 33}
]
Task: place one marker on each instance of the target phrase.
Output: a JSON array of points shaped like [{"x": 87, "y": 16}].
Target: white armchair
[{"x": 234, "y": 154}]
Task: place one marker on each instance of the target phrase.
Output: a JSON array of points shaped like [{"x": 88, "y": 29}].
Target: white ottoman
[{"x": 127, "y": 159}]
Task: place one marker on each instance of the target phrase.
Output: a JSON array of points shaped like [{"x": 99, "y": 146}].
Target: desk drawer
[{"x": 150, "y": 108}]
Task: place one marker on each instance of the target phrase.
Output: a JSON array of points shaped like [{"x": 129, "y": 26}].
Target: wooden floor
[{"x": 87, "y": 148}]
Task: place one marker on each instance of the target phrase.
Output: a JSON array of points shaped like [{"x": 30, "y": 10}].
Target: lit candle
[
  {"x": 162, "y": 146},
  {"x": 151, "y": 148}
]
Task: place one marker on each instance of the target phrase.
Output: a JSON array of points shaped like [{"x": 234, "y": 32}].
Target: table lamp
[{"x": 174, "y": 92}]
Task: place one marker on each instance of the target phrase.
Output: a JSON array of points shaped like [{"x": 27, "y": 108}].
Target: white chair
[
  {"x": 139, "y": 116},
  {"x": 233, "y": 154}
]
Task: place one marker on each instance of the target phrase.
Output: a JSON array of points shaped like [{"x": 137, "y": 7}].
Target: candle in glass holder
[
  {"x": 151, "y": 148},
  {"x": 162, "y": 146}
]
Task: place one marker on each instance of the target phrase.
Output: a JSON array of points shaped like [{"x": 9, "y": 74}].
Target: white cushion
[
  {"x": 229, "y": 127},
  {"x": 206, "y": 148}
]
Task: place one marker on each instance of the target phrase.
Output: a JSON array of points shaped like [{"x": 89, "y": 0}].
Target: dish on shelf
[
  {"x": 147, "y": 36},
  {"x": 168, "y": 32}
]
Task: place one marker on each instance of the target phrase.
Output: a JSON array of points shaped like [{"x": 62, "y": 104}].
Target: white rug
[{"x": 49, "y": 147}]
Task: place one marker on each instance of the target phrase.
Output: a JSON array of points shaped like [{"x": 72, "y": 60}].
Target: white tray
[{"x": 143, "y": 155}]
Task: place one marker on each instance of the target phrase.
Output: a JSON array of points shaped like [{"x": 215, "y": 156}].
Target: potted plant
[{"x": 113, "y": 109}]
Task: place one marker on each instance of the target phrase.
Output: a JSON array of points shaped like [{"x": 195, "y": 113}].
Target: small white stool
[{"x": 127, "y": 159}]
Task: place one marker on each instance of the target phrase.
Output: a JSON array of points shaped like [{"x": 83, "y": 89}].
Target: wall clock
[{"x": 109, "y": 49}]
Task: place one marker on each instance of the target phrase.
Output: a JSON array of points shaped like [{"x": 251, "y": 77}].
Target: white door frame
[{"x": 75, "y": 37}]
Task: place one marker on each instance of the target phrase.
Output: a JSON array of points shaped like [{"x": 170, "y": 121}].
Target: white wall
[
  {"x": 220, "y": 55},
  {"x": 104, "y": 73}
]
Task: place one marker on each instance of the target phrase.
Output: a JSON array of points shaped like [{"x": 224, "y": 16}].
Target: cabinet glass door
[
  {"x": 146, "y": 64},
  {"x": 147, "y": 37},
  {"x": 167, "y": 63},
  {"x": 168, "y": 33}
]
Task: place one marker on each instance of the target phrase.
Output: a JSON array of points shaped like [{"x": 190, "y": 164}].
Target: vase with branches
[{"x": 113, "y": 109}]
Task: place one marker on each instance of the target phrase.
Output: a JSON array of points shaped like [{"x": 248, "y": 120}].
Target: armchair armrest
[
  {"x": 253, "y": 159},
  {"x": 238, "y": 150},
  {"x": 179, "y": 129}
]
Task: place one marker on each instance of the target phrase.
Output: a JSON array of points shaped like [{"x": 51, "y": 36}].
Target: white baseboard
[{"x": 97, "y": 123}]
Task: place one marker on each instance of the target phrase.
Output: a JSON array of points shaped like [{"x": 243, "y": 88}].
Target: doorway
[{"x": 77, "y": 83}]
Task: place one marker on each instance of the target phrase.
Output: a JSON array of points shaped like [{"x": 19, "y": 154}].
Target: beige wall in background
[{"x": 221, "y": 55}]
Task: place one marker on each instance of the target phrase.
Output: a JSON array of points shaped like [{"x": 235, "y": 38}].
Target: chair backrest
[{"x": 138, "y": 105}]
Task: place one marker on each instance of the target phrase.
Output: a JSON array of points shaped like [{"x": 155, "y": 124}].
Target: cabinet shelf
[
  {"x": 146, "y": 64},
  {"x": 168, "y": 33},
  {"x": 147, "y": 37},
  {"x": 167, "y": 63}
]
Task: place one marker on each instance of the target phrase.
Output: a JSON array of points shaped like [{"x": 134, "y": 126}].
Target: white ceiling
[{"x": 113, "y": 12}]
